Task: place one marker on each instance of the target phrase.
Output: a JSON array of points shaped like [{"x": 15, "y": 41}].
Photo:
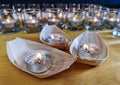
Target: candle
[
  {"x": 96, "y": 24},
  {"x": 75, "y": 23},
  {"x": 87, "y": 50},
  {"x": 90, "y": 48},
  {"x": 111, "y": 23},
  {"x": 57, "y": 40},
  {"x": 53, "y": 20},
  {"x": 32, "y": 25},
  {"x": 38, "y": 62},
  {"x": 9, "y": 26},
  {"x": 8, "y": 23},
  {"x": 55, "y": 37}
]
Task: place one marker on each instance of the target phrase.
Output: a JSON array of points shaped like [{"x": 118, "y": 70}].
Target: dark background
[{"x": 115, "y": 3}]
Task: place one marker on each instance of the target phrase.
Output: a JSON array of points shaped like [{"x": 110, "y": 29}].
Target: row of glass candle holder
[{"x": 32, "y": 20}]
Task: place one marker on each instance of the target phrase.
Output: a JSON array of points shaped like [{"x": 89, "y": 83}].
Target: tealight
[
  {"x": 39, "y": 62},
  {"x": 55, "y": 37},
  {"x": 32, "y": 26},
  {"x": 57, "y": 40},
  {"x": 96, "y": 24},
  {"x": 75, "y": 23},
  {"x": 87, "y": 50}
]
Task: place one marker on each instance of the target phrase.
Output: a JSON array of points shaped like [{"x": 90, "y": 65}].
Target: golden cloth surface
[{"x": 108, "y": 73}]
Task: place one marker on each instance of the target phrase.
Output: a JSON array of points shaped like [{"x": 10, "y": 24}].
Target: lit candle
[
  {"x": 75, "y": 21},
  {"x": 86, "y": 50},
  {"x": 55, "y": 37},
  {"x": 31, "y": 21},
  {"x": 32, "y": 25},
  {"x": 54, "y": 20},
  {"x": 57, "y": 40},
  {"x": 62, "y": 16},
  {"x": 38, "y": 62},
  {"x": 9, "y": 23},
  {"x": 111, "y": 22},
  {"x": 90, "y": 48},
  {"x": 96, "y": 24}
]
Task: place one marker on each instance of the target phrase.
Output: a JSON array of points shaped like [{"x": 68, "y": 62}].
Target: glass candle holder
[
  {"x": 9, "y": 22},
  {"x": 54, "y": 18},
  {"x": 95, "y": 24},
  {"x": 75, "y": 21},
  {"x": 39, "y": 62},
  {"x": 31, "y": 24},
  {"x": 111, "y": 19}
]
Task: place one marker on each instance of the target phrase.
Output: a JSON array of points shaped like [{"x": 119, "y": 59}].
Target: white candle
[
  {"x": 55, "y": 37},
  {"x": 90, "y": 48},
  {"x": 8, "y": 21},
  {"x": 53, "y": 20},
  {"x": 87, "y": 50},
  {"x": 38, "y": 62},
  {"x": 111, "y": 19},
  {"x": 33, "y": 21}
]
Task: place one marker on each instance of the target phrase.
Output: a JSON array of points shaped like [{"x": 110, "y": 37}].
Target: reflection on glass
[
  {"x": 9, "y": 22},
  {"x": 31, "y": 23}
]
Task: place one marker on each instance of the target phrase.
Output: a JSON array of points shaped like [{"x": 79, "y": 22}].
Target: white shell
[
  {"x": 49, "y": 29},
  {"x": 88, "y": 58},
  {"x": 18, "y": 49}
]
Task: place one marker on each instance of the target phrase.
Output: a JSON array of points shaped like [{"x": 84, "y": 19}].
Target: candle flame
[
  {"x": 74, "y": 19},
  {"x": 60, "y": 15},
  {"x": 33, "y": 21},
  {"x": 95, "y": 20},
  {"x": 112, "y": 19},
  {"x": 53, "y": 19},
  {"x": 30, "y": 18},
  {"x": 85, "y": 46},
  {"x": 8, "y": 20},
  {"x": 52, "y": 36},
  {"x": 39, "y": 56}
]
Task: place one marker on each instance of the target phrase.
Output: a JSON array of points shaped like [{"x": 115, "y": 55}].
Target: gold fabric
[{"x": 108, "y": 73}]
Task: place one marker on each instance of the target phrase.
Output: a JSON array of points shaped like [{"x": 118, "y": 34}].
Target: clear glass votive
[
  {"x": 95, "y": 24},
  {"x": 110, "y": 20},
  {"x": 31, "y": 23},
  {"x": 54, "y": 17},
  {"x": 9, "y": 22},
  {"x": 75, "y": 21}
]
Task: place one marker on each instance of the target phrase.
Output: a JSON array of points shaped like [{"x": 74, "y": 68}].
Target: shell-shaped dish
[
  {"x": 53, "y": 36},
  {"x": 60, "y": 60},
  {"x": 89, "y": 48}
]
